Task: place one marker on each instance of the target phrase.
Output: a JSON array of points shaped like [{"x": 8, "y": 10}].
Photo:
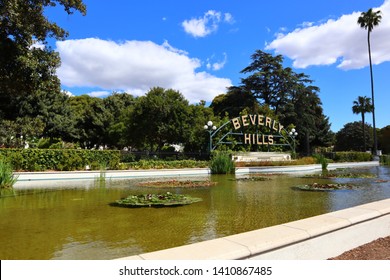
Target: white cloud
[
  {"x": 38, "y": 45},
  {"x": 203, "y": 26},
  {"x": 340, "y": 41},
  {"x": 101, "y": 93},
  {"x": 135, "y": 67},
  {"x": 68, "y": 93},
  {"x": 217, "y": 65},
  {"x": 228, "y": 18}
]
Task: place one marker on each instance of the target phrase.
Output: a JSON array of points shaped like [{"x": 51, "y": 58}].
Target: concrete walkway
[
  {"x": 315, "y": 238},
  {"x": 31, "y": 179}
]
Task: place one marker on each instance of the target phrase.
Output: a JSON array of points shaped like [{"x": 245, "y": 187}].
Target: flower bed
[{"x": 156, "y": 200}]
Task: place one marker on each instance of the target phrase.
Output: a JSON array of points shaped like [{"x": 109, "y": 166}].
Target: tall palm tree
[
  {"x": 368, "y": 20},
  {"x": 361, "y": 106}
]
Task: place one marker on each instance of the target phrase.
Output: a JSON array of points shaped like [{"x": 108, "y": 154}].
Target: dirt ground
[{"x": 378, "y": 249}]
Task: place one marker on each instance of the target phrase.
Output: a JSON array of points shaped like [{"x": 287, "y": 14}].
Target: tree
[
  {"x": 15, "y": 134},
  {"x": 158, "y": 118},
  {"x": 119, "y": 105},
  {"x": 305, "y": 112},
  {"x": 368, "y": 20},
  {"x": 384, "y": 139},
  {"x": 24, "y": 67},
  {"x": 198, "y": 139},
  {"x": 92, "y": 120},
  {"x": 269, "y": 81},
  {"x": 361, "y": 106},
  {"x": 291, "y": 95},
  {"x": 233, "y": 102},
  {"x": 350, "y": 137}
]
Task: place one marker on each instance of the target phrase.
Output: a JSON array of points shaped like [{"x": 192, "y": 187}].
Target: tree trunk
[
  {"x": 364, "y": 133},
  {"x": 375, "y": 149}
]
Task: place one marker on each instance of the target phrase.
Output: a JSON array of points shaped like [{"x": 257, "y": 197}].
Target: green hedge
[
  {"x": 352, "y": 156},
  {"x": 61, "y": 159},
  {"x": 164, "y": 164}
]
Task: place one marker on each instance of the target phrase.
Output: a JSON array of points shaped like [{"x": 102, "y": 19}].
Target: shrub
[{"x": 222, "y": 163}]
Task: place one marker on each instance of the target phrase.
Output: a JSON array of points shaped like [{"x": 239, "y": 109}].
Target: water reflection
[{"x": 77, "y": 222}]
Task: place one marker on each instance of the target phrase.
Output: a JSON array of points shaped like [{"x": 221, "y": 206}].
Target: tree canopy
[
  {"x": 292, "y": 97},
  {"x": 350, "y": 137},
  {"x": 27, "y": 64},
  {"x": 33, "y": 106}
]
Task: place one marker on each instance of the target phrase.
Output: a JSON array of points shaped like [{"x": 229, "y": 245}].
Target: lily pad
[
  {"x": 155, "y": 200},
  {"x": 177, "y": 184},
  {"x": 329, "y": 175},
  {"x": 252, "y": 179},
  {"x": 323, "y": 187}
]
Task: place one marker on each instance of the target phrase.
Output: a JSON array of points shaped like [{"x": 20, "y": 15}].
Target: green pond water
[{"x": 77, "y": 222}]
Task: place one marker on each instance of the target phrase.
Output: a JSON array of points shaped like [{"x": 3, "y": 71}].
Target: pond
[{"x": 77, "y": 222}]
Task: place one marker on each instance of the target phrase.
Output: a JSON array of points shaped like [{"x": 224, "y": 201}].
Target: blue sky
[{"x": 200, "y": 47}]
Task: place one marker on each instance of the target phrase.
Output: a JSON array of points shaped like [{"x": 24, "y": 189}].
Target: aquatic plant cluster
[
  {"x": 329, "y": 175},
  {"x": 156, "y": 200},
  {"x": 7, "y": 179},
  {"x": 222, "y": 163},
  {"x": 323, "y": 187},
  {"x": 177, "y": 184}
]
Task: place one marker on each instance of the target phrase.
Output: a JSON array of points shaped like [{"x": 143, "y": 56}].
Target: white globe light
[{"x": 210, "y": 123}]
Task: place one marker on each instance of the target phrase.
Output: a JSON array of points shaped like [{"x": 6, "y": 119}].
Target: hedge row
[
  {"x": 352, "y": 156},
  {"x": 164, "y": 164},
  {"x": 61, "y": 159}
]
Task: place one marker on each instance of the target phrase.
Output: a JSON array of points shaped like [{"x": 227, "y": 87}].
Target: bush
[{"x": 222, "y": 163}]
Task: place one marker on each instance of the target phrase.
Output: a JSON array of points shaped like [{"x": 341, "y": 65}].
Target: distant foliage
[{"x": 350, "y": 137}]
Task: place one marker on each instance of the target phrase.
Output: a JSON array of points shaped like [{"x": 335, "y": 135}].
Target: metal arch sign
[{"x": 241, "y": 124}]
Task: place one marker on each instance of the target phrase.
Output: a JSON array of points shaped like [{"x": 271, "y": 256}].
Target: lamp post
[
  {"x": 293, "y": 133},
  {"x": 210, "y": 129}
]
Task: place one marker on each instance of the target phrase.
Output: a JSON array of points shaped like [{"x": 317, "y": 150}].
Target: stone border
[
  {"x": 31, "y": 179},
  {"x": 316, "y": 238}
]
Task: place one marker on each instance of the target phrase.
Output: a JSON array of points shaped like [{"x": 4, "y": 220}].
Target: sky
[{"x": 200, "y": 47}]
